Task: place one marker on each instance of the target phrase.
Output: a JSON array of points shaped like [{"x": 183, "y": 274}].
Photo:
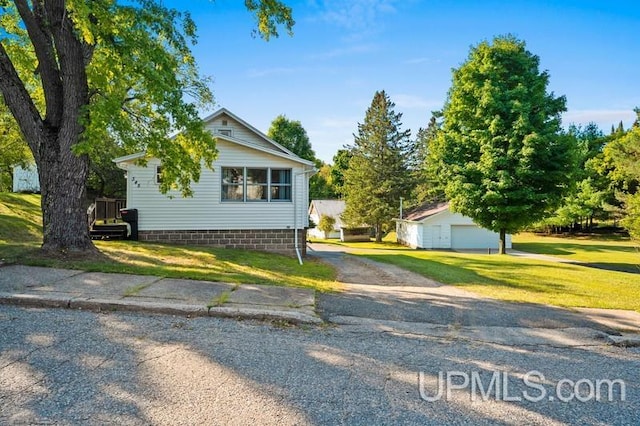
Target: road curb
[
  {"x": 182, "y": 309},
  {"x": 625, "y": 340}
]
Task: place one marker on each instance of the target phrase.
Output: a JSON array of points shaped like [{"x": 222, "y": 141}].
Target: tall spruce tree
[
  {"x": 378, "y": 170},
  {"x": 501, "y": 156}
]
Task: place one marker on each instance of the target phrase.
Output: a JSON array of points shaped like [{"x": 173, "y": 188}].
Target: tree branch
[
  {"x": 19, "y": 102},
  {"x": 37, "y": 27}
]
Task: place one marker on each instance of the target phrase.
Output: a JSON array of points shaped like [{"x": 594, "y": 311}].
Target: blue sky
[{"x": 342, "y": 51}]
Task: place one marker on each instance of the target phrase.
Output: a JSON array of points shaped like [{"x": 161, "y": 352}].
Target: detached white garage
[{"x": 434, "y": 226}]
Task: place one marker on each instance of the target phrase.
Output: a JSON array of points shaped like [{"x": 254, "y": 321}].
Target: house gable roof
[
  {"x": 333, "y": 208},
  {"x": 424, "y": 211},
  {"x": 269, "y": 146},
  {"x": 223, "y": 111}
]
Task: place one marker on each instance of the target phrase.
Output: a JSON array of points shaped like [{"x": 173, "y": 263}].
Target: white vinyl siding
[
  {"x": 473, "y": 237},
  {"x": 206, "y": 210},
  {"x": 238, "y": 131}
]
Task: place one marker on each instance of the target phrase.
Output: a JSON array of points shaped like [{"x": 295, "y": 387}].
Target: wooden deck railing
[{"x": 105, "y": 210}]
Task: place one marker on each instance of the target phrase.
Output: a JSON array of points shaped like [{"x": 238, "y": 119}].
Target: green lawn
[
  {"x": 608, "y": 252},
  {"x": 20, "y": 237},
  {"x": 502, "y": 277},
  {"x": 527, "y": 280}
]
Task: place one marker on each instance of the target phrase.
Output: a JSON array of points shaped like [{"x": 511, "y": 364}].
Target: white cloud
[
  {"x": 354, "y": 14},
  {"x": 604, "y": 118}
]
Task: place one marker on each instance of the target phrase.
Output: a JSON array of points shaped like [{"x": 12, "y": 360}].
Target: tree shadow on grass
[
  {"x": 15, "y": 228},
  {"x": 565, "y": 249},
  {"x": 629, "y": 268}
]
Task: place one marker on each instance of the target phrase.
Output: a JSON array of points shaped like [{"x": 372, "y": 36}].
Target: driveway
[{"x": 378, "y": 291}]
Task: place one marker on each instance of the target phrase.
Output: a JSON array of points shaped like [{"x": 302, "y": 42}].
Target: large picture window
[{"x": 256, "y": 184}]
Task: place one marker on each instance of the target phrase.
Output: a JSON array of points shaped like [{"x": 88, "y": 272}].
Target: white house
[
  {"x": 26, "y": 179},
  {"x": 256, "y": 197},
  {"x": 435, "y": 226},
  {"x": 331, "y": 208}
]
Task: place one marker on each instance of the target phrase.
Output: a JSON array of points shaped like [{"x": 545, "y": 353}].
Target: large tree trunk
[
  {"x": 503, "y": 241},
  {"x": 61, "y": 63},
  {"x": 378, "y": 229},
  {"x": 64, "y": 218}
]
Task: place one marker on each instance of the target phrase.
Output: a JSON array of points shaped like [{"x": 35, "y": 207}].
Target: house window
[
  {"x": 226, "y": 132},
  {"x": 233, "y": 184},
  {"x": 255, "y": 184},
  {"x": 280, "y": 184},
  {"x": 158, "y": 174}
]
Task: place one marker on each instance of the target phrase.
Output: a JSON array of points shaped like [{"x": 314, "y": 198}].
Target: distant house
[
  {"x": 256, "y": 197},
  {"x": 435, "y": 226},
  {"x": 25, "y": 179},
  {"x": 331, "y": 208},
  {"x": 335, "y": 208}
]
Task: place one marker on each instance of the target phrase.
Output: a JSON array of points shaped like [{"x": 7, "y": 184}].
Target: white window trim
[{"x": 219, "y": 131}]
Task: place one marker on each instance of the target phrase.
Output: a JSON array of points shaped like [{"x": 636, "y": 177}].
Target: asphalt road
[{"x": 75, "y": 367}]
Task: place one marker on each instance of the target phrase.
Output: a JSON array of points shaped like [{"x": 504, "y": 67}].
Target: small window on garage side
[{"x": 158, "y": 174}]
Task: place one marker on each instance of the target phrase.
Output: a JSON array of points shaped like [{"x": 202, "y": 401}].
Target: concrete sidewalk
[{"x": 50, "y": 287}]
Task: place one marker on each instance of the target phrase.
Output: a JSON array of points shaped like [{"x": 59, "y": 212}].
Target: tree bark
[
  {"x": 62, "y": 69},
  {"x": 503, "y": 241},
  {"x": 63, "y": 180},
  {"x": 63, "y": 186},
  {"x": 378, "y": 229}
]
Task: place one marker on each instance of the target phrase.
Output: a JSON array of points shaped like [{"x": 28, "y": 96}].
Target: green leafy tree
[
  {"x": 13, "y": 149},
  {"x": 623, "y": 156},
  {"x": 378, "y": 170},
  {"x": 106, "y": 70},
  {"x": 632, "y": 218},
  {"x": 105, "y": 178},
  {"x": 340, "y": 165},
  {"x": 326, "y": 224},
  {"x": 588, "y": 197},
  {"x": 501, "y": 156},
  {"x": 428, "y": 187},
  {"x": 320, "y": 184},
  {"x": 291, "y": 135}
]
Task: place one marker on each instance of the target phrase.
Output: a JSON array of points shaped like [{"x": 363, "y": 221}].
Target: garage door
[{"x": 472, "y": 237}]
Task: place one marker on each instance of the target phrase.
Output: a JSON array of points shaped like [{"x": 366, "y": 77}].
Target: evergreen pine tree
[{"x": 378, "y": 172}]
